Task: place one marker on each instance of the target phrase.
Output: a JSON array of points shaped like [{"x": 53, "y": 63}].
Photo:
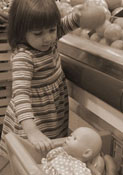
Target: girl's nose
[{"x": 47, "y": 37}]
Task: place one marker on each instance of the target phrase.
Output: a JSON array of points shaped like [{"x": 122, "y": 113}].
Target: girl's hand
[{"x": 40, "y": 141}]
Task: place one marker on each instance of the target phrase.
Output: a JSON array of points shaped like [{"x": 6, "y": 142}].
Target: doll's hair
[{"x": 28, "y": 15}]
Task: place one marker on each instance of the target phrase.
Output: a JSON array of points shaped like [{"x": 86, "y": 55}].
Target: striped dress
[{"x": 39, "y": 90}]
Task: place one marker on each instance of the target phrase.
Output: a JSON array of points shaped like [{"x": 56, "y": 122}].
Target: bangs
[
  {"x": 45, "y": 16},
  {"x": 28, "y": 15}
]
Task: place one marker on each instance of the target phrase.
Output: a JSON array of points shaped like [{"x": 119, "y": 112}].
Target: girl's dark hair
[{"x": 28, "y": 15}]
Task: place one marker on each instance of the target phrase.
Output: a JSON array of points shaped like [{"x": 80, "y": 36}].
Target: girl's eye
[{"x": 37, "y": 33}]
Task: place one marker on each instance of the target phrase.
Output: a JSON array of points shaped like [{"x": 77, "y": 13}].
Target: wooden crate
[
  {"x": 5, "y": 68},
  {"x": 5, "y": 74},
  {"x": 118, "y": 153}
]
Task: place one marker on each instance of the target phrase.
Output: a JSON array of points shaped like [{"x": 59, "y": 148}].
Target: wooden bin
[
  {"x": 5, "y": 74},
  {"x": 27, "y": 160},
  {"x": 118, "y": 153}
]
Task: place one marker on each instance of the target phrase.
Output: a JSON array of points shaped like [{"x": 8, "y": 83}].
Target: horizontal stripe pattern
[{"x": 39, "y": 91}]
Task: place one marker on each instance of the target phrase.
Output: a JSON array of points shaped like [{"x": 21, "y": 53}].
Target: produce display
[
  {"x": 111, "y": 32},
  {"x": 4, "y": 4}
]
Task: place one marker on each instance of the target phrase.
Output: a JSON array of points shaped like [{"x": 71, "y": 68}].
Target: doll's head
[{"x": 84, "y": 144}]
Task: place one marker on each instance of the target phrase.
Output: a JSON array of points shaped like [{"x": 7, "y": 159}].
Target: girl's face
[{"x": 42, "y": 39}]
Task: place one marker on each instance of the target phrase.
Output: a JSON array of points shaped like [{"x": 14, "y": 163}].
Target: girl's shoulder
[{"x": 21, "y": 53}]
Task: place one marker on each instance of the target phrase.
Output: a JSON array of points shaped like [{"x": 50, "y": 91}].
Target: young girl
[{"x": 38, "y": 109}]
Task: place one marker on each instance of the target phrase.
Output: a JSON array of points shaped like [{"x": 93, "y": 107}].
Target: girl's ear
[{"x": 87, "y": 154}]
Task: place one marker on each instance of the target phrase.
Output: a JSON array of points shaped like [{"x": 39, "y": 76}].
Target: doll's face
[
  {"x": 75, "y": 144},
  {"x": 83, "y": 143}
]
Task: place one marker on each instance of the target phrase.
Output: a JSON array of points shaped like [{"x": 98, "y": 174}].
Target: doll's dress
[{"x": 58, "y": 162}]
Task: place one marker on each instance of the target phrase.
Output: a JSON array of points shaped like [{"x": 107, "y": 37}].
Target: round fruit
[
  {"x": 76, "y": 2},
  {"x": 113, "y": 4},
  {"x": 104, "y": 41},
  {"x": 95, "y": 37},
  {"x": 84, "y": 34},
  {"x": 118, "y": 44},
  {"x": 113, "y": 32},
  {"x": 102, "y": 3},
  {"x": 119, "y": 21},
  {"x": 64, "y": 8},
  {"x": 107, "y": 13},
  {"x": 92, "y": 17},
  {"x": 100, "y": 30},
  {"x": 116, "y": 11}
]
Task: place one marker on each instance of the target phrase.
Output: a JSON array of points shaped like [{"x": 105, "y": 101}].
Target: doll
[{"x": 79, "y": 155}]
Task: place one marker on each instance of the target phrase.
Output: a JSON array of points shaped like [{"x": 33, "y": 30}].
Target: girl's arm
[
  {"x": 85, "y": 16},
  {"x": 22, "y": 72},
  {"x": 70, "y": 22}
]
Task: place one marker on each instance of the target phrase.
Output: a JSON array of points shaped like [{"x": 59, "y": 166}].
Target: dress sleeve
[
  {"x": 22, "y": 71},
  {"x": 68, "y": 24}
]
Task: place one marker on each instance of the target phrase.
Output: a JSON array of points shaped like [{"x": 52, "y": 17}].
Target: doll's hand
[{"x": 40, "y": 141}]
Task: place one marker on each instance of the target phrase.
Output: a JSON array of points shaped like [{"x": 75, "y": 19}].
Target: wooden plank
[
  {"x": 4, "y": 47},
  {"x": 4, "y": 93},
  {"x": 4, "y": 102},
  {"x": 5, "y": 56},
  {"x": 3, "y": 36},
  {"x": 106, "y": 52},
  {"x": 98, "y": 107},
  {"x": 5, "y": 76},
  {"x": 2, "y": 111},
  {"x": 5, "y": 66},
  {"x": 1, "y": 120}
]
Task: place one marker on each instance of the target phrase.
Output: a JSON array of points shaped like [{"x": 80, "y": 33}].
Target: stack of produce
[
  {"x": 111, "y": 32},
  {"x": 4, "y": 7}
]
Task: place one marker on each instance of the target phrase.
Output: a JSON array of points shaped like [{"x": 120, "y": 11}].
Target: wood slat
[
  {"x": 5, "y": 56},
  {"x": 71, "y": 42},
  {"x": 3, "y": 36},
  {"x": 4, "y": 47},
  {"x": 4, "y": 102},
  {"x": 4, "y": 93},
  {"x": 5, "y": 67},
  {"x": 2, "y": 111},
  {"x": 5, "y": 76},
  {"x": 1, "y": 120}
]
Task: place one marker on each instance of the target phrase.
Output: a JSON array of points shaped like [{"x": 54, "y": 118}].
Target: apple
[
  {"x": 76, "y": 2},
  {"x": 113, "y": 32},
  {"x": 119, "y": 21},
  {"x": 118, "y": 44},
  {"x": 104, "y": 41},
  {"x": 95, "y": 37},
  {"x": 92, "y": 17},
  {"x": 100, "y": 30}
]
